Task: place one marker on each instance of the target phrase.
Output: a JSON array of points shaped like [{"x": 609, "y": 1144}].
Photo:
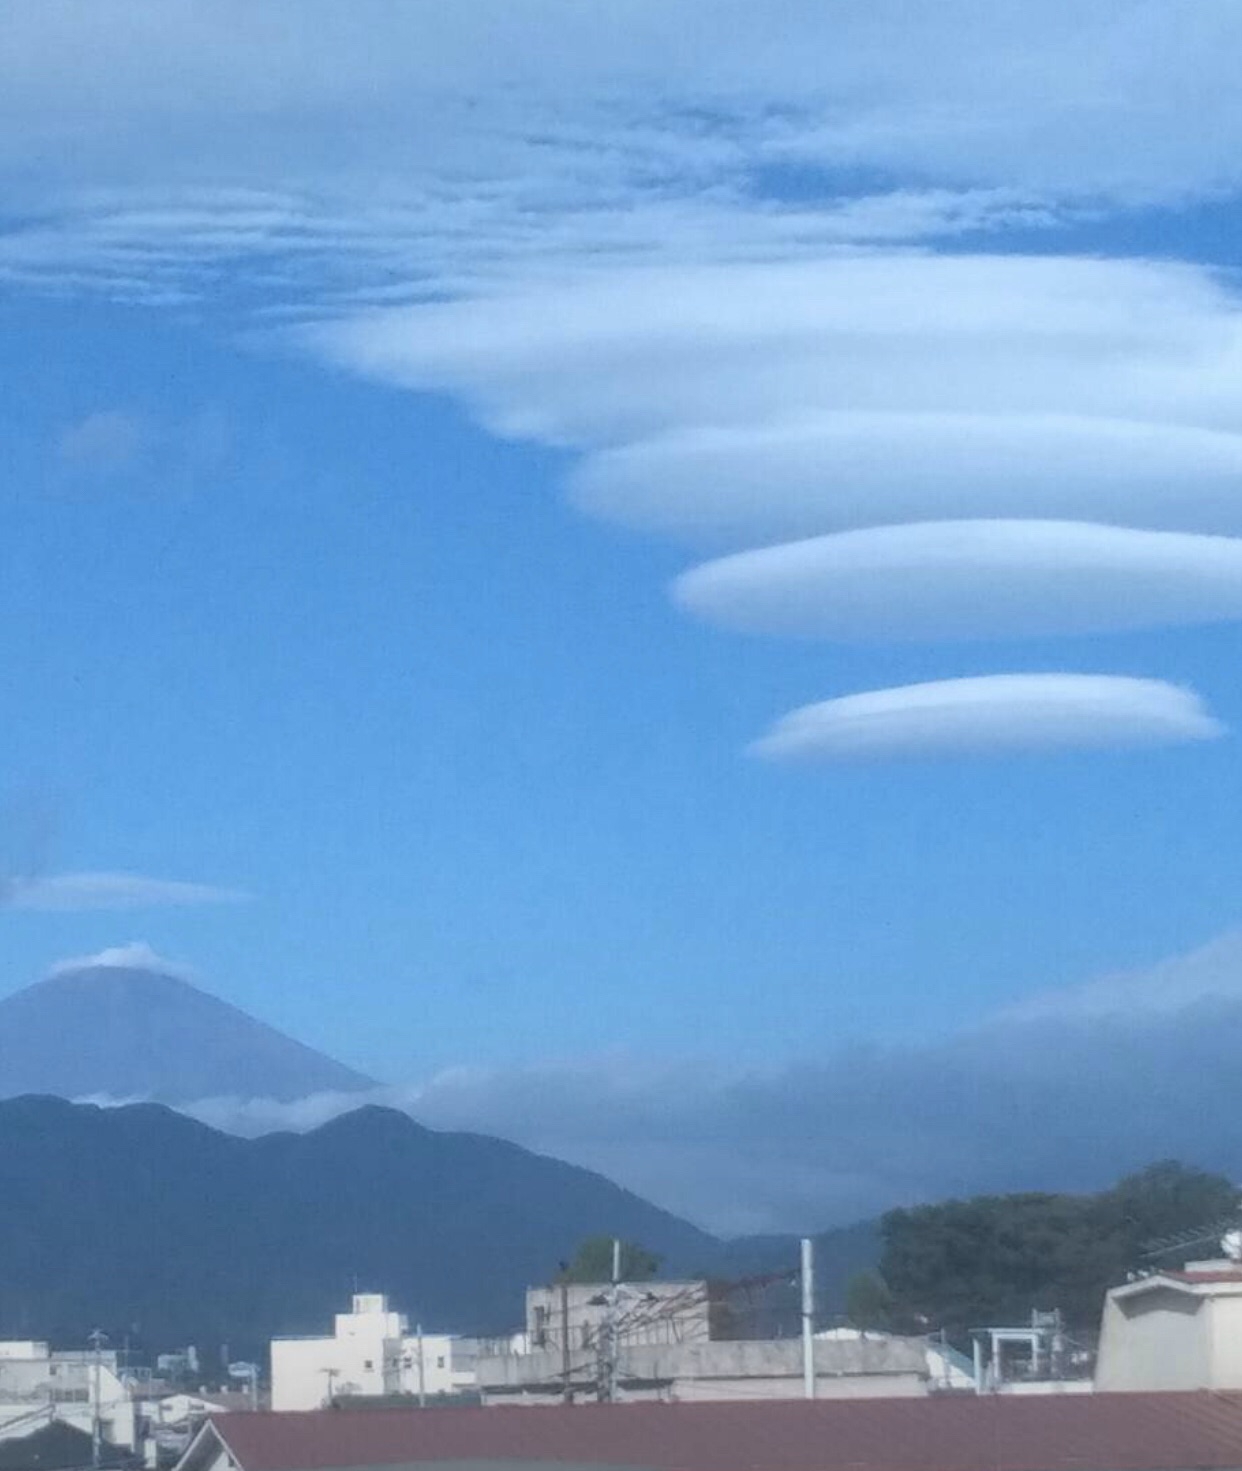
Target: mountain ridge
[{"x": 158, "y": 1228}]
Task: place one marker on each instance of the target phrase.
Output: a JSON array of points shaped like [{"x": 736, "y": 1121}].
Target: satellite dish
[{"x": 1231, "y": 1245}]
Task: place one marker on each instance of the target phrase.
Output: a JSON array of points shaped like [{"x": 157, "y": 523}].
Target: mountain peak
[{"x": 127, "y": 1024}]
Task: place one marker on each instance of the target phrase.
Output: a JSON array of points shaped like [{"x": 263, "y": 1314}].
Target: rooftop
[{"x": 1100, "y": 1432}]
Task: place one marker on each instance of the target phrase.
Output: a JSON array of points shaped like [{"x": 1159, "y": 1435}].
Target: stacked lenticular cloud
[{"x": 891, "y": 446}]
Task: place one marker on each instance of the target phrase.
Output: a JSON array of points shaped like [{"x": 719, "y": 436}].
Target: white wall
[
  {"x": 445, "y": 1369},
  {"x": 307, "y": 1372},
  {"x": 1159, "y": 1338},
  {"x": 371, "y": 1353}
]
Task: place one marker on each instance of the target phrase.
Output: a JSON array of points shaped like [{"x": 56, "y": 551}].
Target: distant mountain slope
[
  {"x": 124, "y": 1029},
  {"x": 146, "y": 1223}
]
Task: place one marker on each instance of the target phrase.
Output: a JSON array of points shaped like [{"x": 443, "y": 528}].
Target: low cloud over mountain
[{"x": 1065, "y": 1091}]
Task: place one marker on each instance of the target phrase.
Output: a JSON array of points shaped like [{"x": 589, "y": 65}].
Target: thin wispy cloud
[
  {"x": 77, "y": 892},
  {"x": 384, "y": 147},
  {"x": 991, "y": 715}
]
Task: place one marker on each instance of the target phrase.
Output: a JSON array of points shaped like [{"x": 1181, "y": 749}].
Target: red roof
[
  {"x": 1219, "y": 1274},
  {"x": 1058, "y": 1432}
]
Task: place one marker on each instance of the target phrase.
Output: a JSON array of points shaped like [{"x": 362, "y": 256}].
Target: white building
[
  {"x": 1174, "y": 1330},
  {"x": 371, "y": 1353},
  {"x": 38, "y": 1386}
]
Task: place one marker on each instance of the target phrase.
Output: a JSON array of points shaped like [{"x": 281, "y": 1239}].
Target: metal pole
[
  {"x": 422, "y": 1378},
  {"x": 808, "y": 1318},
  {"x": 96, "y": 1341},
  {"x": 567, "y": 1393},
  {"x": 613, "y": 1303}
]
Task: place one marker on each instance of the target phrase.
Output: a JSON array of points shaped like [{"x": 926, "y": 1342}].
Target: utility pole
[
  {"x": 422, "y": 1373},
  {"x": 614, "y": 1297},
  {"x": 808, "y": 1318},
  {"x": 96, "y": 1341},
  {"x": 567, "y": 1393}
]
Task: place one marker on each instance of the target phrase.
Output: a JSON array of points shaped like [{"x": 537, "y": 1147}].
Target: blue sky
[{"x": 368, "y": 378}]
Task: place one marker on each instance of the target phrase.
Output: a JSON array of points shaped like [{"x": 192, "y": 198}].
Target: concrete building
[
  {"x": 40, "y": 1387},
  {"x": 1174, "y": 1330},
  {"x": 647, "y": 1313},
  {"x": 1092, "y": 1432},
  {"x": 741, "y": 1369},
  {"x": 673, "y": 1341},
  {"x": 371, "y": 1354}
]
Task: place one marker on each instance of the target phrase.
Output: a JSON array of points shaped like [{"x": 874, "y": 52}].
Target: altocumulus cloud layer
[
  {"x": 991, "y": 715},
  {"x": 1065, "y": 1091}
]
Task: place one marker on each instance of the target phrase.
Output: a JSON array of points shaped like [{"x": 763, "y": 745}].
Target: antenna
[{"x": 1210, "y": 1234}]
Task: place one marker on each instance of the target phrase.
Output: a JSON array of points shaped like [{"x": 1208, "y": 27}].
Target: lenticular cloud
[
  {"x": 991, "y": 715},
  {"x": 970, "y": 579},
  {"x": 742, "y": 484},
  {"x": 1072, "y": 424}
]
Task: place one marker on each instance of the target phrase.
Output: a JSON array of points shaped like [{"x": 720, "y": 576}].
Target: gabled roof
[{"x": 1080, "y": 1432}]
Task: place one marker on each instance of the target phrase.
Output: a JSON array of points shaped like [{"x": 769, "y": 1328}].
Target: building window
[
  {"x": 367, "y": 1364},
  {"x": 440, "y": 1362}
]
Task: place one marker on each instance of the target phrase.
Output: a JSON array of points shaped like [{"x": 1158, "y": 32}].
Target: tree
[
  {"x": 592, "y": 1262},
  {"x": 991, "y": 1260},
  {"x": 868, "y": 1302}
]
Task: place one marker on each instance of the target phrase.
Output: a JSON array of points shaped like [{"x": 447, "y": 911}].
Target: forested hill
[
  {"x": 155, "y": 1228},
  {"x": 991, "y": 1260}
]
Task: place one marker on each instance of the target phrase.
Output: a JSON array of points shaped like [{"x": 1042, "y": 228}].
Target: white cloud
[
  {"x": 645, "y": 241},
  {"x": 734, "y": 484},
  {"x": 970, "y": 579},
  {"x": 604, "y": 359},
  {"x": 429, "y": 147},
  {"x": 1210, "y": 972},
  {"x": 136, "y": 955},
  {"x": 958, "y": 91},
  {"x": 991, "y": 715},
  {"x": 67, "y": 892}
]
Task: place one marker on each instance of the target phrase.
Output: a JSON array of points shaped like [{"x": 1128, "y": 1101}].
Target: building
[
  {"x": 1101, "y": 1432},
  {"x": 575, "y": 1313},
  {"x": 1174, "y": 1330},
  {"x": 371, "y": 1354},
  {"x": 738, "y": 1369},
  {"x": 39, "y": 1387},
  {"x": 677, "y": 1341}
]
